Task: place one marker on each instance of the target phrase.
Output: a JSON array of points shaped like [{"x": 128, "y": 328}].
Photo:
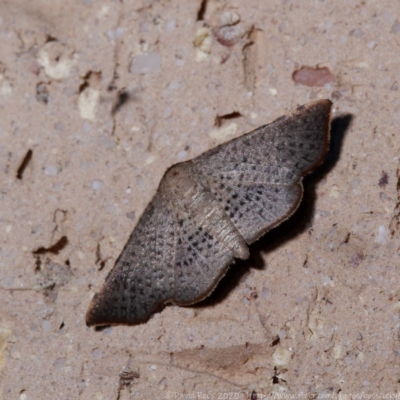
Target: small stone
[
  {"x": 42, "y": 93},
  {"x": 381, "y": 236},
  {"x": 96, "y": 185},
  {"x": 57, "y": 60},
  {"x": 265, "y": 293},
  {"x": 310, "y": 76},
  {"x": 227, "y": 29},
  {"x": 131, "y": 215},
  {"x": 357, "y": 33},
  {"x": 281, "y": 356},
  {"x": 51, "y": 170},
  {"x": 60, "y": 363},
  {"x": 5, "y": 86},
  {"x": 97, "y": 353},
  {"x": 146, "y": 63},
  {"x": 87, "y": 103},
  {"x": 202, "y": 43},
  {"x": 224, "y": 132},
  {"x": 46, "y": 325}
]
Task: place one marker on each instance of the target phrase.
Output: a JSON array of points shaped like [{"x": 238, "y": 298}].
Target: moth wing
[
  {"x": 168, "y": 258},
  {"x": 201, "y": 261},
  {"x": 142, "y": 278},
  {"x": 257, "y": 177}
]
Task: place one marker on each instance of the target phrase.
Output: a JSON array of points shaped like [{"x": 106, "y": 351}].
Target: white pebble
[
  {"x": 96, "y": 185},
  {"x": 147, "y": 62},
  {"x": 46, "y": 325},
  {"x": 281, "y": 356},
  {"x": 51, "y": 170},
  {"x": 225, "y": 132},
  {"x": 381, "y": 236},
  {"x": 265, "y": 293},
  {"x": 87, "y": 103},
  {"x": 182, "y": 155}
]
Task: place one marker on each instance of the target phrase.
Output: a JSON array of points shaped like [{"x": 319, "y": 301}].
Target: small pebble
[
  {"x": 96, "y": 185},
  {"x": 46, "y": 325},
  {"x": 51, "y": 170},
  {"x": 145, "y": 63},
  {"x": 131, "y": 215},
  {"x": 309, "y": 76}
]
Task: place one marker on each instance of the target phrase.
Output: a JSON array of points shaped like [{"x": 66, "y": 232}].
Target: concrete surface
[{"x": 315, "y": 312}]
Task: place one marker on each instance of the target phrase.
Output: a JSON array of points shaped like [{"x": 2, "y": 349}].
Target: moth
[{"x": 207, "y": 211}]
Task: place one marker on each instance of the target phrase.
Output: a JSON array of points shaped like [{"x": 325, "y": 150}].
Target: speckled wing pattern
[
  {"x": 257, "y": 177},
  {"x": 143, "y": 275},
  {"x": 206, "y": 211},
  {"x": 200, "y": 260}
]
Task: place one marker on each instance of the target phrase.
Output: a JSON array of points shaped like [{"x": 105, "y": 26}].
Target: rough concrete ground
[{"x": 99, "y": 98}]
